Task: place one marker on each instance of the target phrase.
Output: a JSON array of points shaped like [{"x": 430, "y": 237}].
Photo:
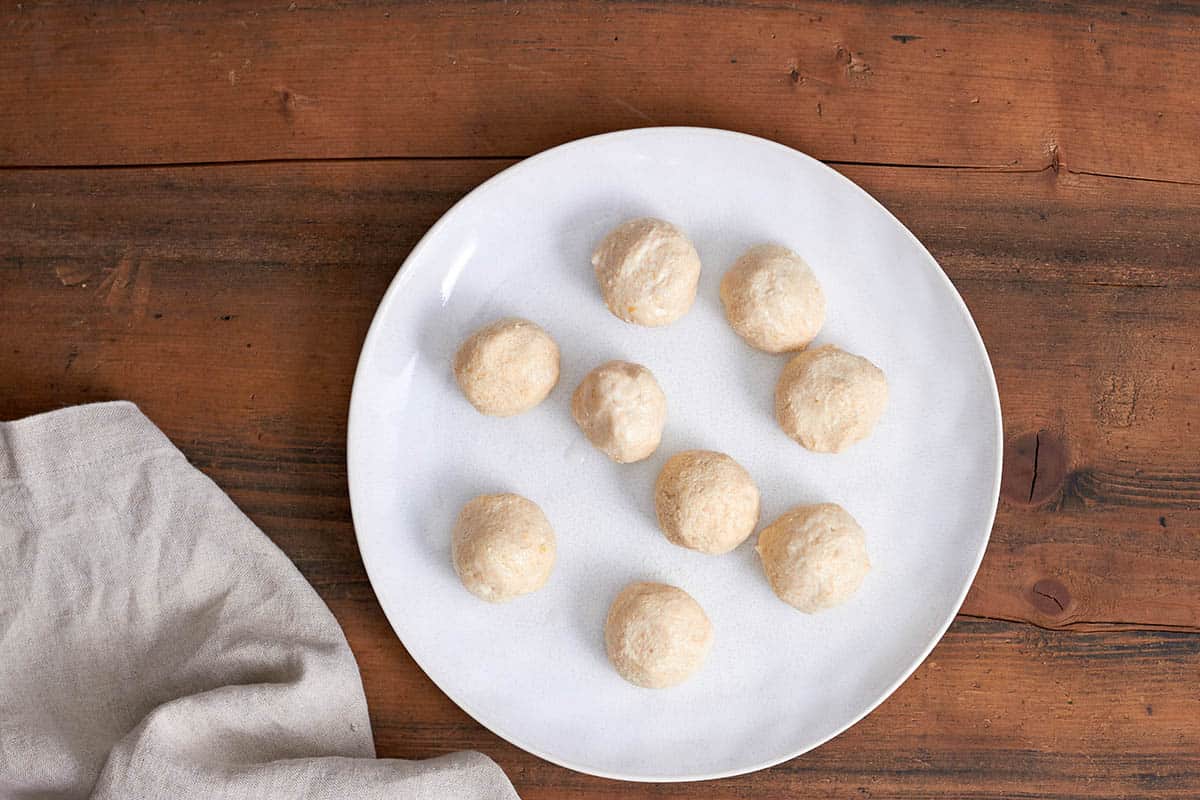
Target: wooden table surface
[{"x": 202, "y": 203}]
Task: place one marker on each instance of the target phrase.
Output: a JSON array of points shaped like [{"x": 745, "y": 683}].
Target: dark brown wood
[
  {"x": 1044, "y": 152},
  {"x": 998, "y": 711},
  {"x": 1101, "y": 87},
  {"x": 230, "y": 302}
]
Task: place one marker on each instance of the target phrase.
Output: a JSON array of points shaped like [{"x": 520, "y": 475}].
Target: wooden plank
[
  {"x": 1099, "y": 87},
  {"x": 998, "y": 711},
  {"x": 230, "y": 302}
]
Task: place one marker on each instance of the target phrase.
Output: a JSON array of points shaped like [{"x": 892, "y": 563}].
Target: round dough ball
[
  {"x": 656, "y": 635},
  {"x": 705, "y": 501},
  {"x": 772, "y": 299},
  {"x": 507, "y": 367},
  {"x": 648, "y": 271},
  {"x": 502, "y": 547},
  {"x": 621, "y": 409},
  {"x": 815, "y": 556},
  {"x": 828, "y": 399}
]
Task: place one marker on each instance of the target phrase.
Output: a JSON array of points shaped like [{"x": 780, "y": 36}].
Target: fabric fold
[{"x": 155, "y": 643}]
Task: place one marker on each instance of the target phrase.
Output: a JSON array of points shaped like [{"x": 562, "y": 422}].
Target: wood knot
[
  {"x": 288, "y": 102},
  {"x": 1050, "y": 596},
  {"x": 1035, "y": 468}
]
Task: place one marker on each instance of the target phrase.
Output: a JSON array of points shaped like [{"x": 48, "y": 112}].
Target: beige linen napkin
[{"x": 155, "y": 644}]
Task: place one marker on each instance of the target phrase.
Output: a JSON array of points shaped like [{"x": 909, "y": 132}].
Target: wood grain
[
  {"x": 997, "y": 711},
  {"x": 1099, "y": 87},
  {"x": 230, "y": 302}
]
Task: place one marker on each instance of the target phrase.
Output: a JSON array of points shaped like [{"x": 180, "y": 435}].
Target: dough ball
[
  {"x": 772, "y": 299},
  {"x": 503, "y": 546},
  {"x": 705, "y": 501},
  {"x": 648, "y": 271},
  {"x": 656, "y": 635},
  {"x": 507, "y": 367},
  {"x": 621, "y": 409},
  {"x": 815, "y": 556},
  {"x": 828, "y": 399}
]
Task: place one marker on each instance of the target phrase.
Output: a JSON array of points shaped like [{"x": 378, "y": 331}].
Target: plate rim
[{"x": 397, "y": 285}]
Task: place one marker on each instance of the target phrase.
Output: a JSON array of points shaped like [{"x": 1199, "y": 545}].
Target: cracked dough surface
[
  {"x": 828, "y": 399},
  {"x": 705, "y": 501},
  {"x": 502, "y": 547},
  {"x": 656, "y": 635},
  {"x": 772, "y": 299},
  {"x": 815, "y": 557},
  {"x": 507, "y": 367},
  {"x": 648, "y": 272},
  {"x": 621, "y": 410}
]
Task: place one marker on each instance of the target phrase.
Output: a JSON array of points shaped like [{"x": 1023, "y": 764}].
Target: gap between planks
[
  {"x": 1054, "y": 165},
  {"x": 1088, "y": 626}
]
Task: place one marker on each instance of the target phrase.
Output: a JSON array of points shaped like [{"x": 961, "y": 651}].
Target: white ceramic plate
[{"x": 778, "y": 682}]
